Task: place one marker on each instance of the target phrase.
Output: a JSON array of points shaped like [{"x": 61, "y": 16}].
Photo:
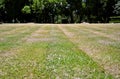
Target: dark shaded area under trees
[{"x": 58, "y": 11}]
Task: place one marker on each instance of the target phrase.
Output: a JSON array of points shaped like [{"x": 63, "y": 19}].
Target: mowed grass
[
  {"x": 33, "y": 51},
  {"x": 100, "y": 42}
]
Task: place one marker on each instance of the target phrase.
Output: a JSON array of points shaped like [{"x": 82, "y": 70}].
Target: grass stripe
[
  {"x": 55, "y": 59},
  {"x": 15, "y": 39},
  {"x": 105, "y": 54}
]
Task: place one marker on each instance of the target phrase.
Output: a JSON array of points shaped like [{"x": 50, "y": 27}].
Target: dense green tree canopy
[{"x": 57, "y": 11}]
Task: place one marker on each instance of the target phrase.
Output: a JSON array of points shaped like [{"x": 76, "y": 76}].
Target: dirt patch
[
  {"x": 105, "y": 42},
  {"x": 2, "y": 73},
  {"x": 9, "y": 53},
  {"x": 40, "y": 35},
  {"x": 39, "y": 39},
  {"x": 70, "y": 34},
  {"x": 41, "y": 31},
  {"x": 37, "y": 35},
  {"x": 2, "y": 39},
  {"x": 114, "y": 69},
  {"x": 104, "y": 35}
]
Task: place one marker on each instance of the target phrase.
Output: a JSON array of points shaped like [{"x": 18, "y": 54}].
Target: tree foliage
[
  {"x": 26, "y": 10},
  {"x": 117, "y": 8},
  {"x": 53, "y": 11}
]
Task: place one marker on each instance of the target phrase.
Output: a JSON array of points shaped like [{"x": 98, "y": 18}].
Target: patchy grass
[
  {"x": 98, "y": 43},
  {"x": 12, "y": 38},
  {"x": 56, "y": 52}
]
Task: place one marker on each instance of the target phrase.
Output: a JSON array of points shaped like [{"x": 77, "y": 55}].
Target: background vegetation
[{"x": 59, "y": 11}]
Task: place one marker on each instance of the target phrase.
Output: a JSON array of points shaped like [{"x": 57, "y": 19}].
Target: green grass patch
[
  {"x": 100, "y": 47},
  {"x": 58, "y": 58}
]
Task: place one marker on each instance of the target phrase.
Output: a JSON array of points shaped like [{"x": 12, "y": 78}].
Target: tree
[
  {"x": 2, "y": 11},
  {"x": 108, "y": 9},
  {"x": 13, "y": 8},
  {"x": 52, "y": 11},
  {"x": 117, "y": 8},
  {"x": 94, "y": 10},
  {"x": 99, "y": 10},
  {"x": 74, "y": 7}
]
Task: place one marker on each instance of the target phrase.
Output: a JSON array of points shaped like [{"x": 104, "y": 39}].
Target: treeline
[{"x": 58, "y": 11}]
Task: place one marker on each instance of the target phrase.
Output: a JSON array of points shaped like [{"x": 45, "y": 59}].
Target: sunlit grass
[
  {"x": 101, "y": 47},
  {"x": 14, "y": 37},
  {"x": 46, "y": 52}
]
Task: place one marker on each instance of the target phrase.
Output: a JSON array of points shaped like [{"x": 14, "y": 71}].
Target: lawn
[{"x": 47, "y": 51}]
